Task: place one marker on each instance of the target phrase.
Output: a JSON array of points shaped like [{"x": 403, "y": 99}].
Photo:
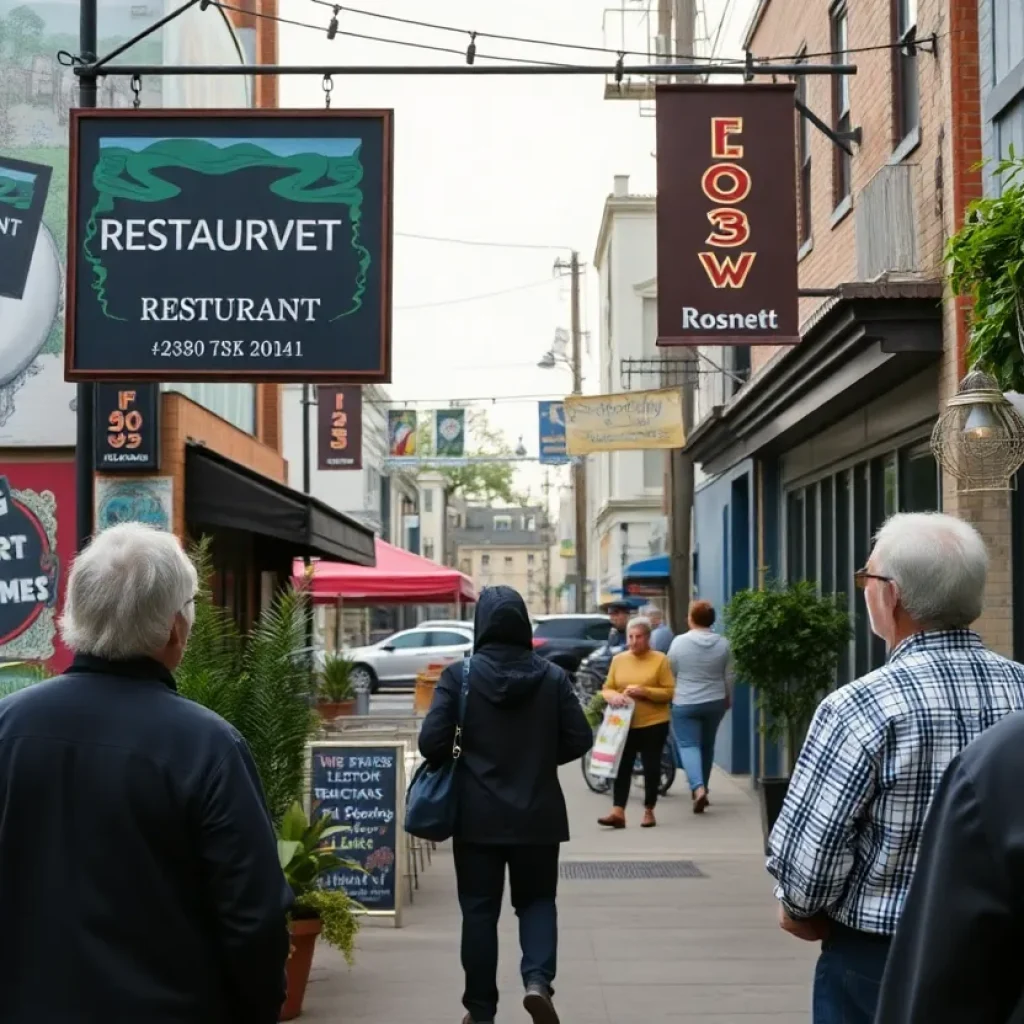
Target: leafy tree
[
  {"x": 786, "y": 640},
  {"x": 986, "y": 262},
  {"x": 483, "y": 481},
  {"x": 24, "y": 31}
]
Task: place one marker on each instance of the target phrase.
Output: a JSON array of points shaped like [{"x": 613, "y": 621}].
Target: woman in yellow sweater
[{"x": 644, "y": 678}]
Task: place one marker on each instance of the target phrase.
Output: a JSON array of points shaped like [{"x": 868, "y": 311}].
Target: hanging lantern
[{"x": 979, "y": 439}]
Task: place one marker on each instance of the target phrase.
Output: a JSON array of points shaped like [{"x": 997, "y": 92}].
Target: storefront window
[
  {"x": 235, "y": 403},
  {"x": 831, "y": 523}
]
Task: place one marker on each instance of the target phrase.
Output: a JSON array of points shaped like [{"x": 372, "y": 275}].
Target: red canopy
[{"x": 399, "y": 577}]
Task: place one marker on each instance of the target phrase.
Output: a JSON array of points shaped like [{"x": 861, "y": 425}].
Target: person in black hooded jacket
[{"x": 522, "y": 721}]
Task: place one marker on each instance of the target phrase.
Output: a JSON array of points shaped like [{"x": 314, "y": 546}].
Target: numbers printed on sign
[
  {"x": 339, "y": 424},
  {"x": 189, "y": 348},
  {"x": 125, "y": 423}
]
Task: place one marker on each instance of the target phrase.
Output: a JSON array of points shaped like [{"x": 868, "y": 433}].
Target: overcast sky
[{"x": 522, "y": 161}]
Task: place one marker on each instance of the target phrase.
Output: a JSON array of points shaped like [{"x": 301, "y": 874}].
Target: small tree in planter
[
  {"x": 986, "y": 263},
  {"x": 336, "y": 693},
  {"x": 786, "y": 641},
  {"x": 305, "y": 851}
]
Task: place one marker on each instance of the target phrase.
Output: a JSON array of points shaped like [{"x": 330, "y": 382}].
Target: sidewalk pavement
[{"x": 684, "y": 950}]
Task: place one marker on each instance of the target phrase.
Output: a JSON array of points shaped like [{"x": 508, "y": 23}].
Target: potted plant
[
  {"x": 259, "y": 682},
  {"x": 305, "y": 851},
  {"x": 986, "y": 263},
  {"x": 786, "y": 641},
  {"x": 336, "y": 695}
]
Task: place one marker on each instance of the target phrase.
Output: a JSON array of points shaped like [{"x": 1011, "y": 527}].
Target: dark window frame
[
  {"x": 803, "y": 159},
  {"x": 906, "y": 90},
  {"x": 842, "y": 162}
]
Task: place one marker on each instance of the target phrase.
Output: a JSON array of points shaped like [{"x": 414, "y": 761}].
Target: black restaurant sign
[
  {"x": 230, "y": 245},
  {"x": 360, "y": 786},
  {"x": 23, "y": 191},
  {"x": 127, "y": 431}
]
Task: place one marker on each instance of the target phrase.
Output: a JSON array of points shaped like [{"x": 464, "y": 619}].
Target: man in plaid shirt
[{"x": 844, "y": 848}]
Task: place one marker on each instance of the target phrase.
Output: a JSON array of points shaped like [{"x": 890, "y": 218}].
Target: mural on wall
[
  {"x": 140, "y": 500},
  {"x": 37, "y": 520},
  {"x": 37, "y": 406}
]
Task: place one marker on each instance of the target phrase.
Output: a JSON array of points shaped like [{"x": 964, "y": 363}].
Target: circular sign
[{"x": 28, "y": 566}]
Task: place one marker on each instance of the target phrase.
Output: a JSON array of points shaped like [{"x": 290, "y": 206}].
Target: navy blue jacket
[
  {"x": 522, "y": 721},
  {"x": 139, "y": 879}
]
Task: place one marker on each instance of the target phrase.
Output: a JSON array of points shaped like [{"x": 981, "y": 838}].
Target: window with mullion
[
  {"x": 842, "y": 163},
  {"x": 906, "y": 101},
  {"x": 803, "y": 149}
]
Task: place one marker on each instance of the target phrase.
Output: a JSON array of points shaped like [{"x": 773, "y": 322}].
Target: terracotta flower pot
[
  {"x": 330, "y": 710},
  {"x": 303, "y": 934}
]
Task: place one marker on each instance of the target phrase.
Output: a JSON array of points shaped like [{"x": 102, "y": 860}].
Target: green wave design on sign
[
  {"x": 16, "y": 192},
  {"x": 122, "y": 173}
]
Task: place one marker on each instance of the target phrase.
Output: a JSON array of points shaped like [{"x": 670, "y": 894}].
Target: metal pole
[
  {"x": 681, "y": 483},
  {"x": 85, "y": 392},
  {"x": 579, "y": 466}
]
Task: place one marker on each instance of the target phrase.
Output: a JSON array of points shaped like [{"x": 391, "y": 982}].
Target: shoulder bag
[{"x": 431, "y": 805}]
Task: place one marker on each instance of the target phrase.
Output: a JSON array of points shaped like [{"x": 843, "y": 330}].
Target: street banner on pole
[
  {"x": 339, "y": 427},
  {"x": 632, "y": 421},
  {"x": 450, "y": 430},
  {"x": 552, "y": 433},
  {"x": 727, "y": 223},
  {"x": 402, "y": 433},
  {"x": 23, "y": 191},
  {"x": 247, "y": 245},
  {"x": 127, "y": 432}
]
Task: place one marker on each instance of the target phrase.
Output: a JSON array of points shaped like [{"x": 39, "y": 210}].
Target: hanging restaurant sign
[
  {"x": 726, "y": 220},
  {"x": 339, "y": 427},
  {"x": 230, "y": 246},
  {"x": 127, "y": 434}
]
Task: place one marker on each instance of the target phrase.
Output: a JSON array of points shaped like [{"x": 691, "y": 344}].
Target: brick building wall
[{"x": 944, "y": 180}]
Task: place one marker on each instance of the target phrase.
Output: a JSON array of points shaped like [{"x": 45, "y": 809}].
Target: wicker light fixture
[{"x": 979, "y": 439}]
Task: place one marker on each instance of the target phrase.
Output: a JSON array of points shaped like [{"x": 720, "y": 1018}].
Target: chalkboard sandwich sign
[
  {"x": 361, "y": 785},
  {"x": 241, "y": 245}
]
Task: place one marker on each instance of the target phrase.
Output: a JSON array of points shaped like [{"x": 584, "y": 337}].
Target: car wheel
[{"x": 364, "y": 680}]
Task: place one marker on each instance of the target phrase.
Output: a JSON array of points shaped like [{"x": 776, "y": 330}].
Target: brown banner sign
[
  {"x": 727, "y": 231},
  {"x": 340, "y": 427}
]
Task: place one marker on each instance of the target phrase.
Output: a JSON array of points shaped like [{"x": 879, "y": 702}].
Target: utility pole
[
  {"x": 684, "y": 15},
  {"x": 579, "y": 466},
  {"x": 548, "y": 541},
  {"x": 85, "y": 392}
]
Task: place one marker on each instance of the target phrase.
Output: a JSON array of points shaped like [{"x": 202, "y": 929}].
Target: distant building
[{"x": 509, "y": 546}]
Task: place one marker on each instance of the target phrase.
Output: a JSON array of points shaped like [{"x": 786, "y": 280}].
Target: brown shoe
[
  {"x": 700, "y": 801},
  {"x": 649, "y": 819},
  {"x": 617, "y": 819}
]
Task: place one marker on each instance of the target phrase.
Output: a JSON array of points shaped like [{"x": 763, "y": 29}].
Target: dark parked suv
[{"x": 566, "y": 640}]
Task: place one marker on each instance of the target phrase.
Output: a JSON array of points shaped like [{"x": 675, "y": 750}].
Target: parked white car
[{"x": 397, "y": 660}]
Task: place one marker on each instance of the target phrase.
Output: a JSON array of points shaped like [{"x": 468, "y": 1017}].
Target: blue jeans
[
  {"x": 848, "y": 977},
  {"x": 533, "y": 880},
  {"x": 695, "y": 727}
]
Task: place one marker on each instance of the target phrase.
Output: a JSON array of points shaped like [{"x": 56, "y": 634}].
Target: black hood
[{"x": 505, "y": 669}]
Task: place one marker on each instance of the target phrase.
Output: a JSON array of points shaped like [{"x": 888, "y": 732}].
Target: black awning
[{"x": 220, "y": 492}]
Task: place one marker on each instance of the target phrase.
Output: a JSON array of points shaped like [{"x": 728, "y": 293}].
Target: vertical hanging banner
[
  {"x": 127, "y": 432},
  {"x": 727, "y": 221},
  {"x": 450, "y": 430},
  {"x": 246, "y": 245},
  {"x": 23, "y": 191},
  {"x": 402, "y": 427},
  {"x": 340, "y": 427}
]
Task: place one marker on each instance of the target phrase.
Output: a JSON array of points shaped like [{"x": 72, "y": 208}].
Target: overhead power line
[
  {"x": 484, "y": 244},
  {"x": 480, "y": 296}
]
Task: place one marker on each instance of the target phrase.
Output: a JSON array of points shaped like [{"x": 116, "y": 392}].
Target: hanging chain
[
  {"x": 328, "y": 84},
  {"x": 137, "y": 91}
]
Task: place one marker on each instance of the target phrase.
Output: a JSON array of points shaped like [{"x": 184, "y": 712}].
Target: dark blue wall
[{"x": 724, "y": 517}]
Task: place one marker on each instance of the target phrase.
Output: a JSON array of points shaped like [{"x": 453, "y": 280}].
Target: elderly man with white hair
[
  {"x": 139, "y": 876},
  {"x": 845, "y": 845}
]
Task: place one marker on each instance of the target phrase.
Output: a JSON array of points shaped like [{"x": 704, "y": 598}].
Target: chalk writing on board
[{"x": 358, "y": 787}]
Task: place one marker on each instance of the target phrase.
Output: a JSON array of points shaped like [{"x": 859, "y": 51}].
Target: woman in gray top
[{"x": 702, "y": 665}]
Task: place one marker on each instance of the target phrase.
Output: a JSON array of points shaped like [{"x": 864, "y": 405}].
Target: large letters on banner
[
  {"x": 727, "y": 232},
  {"x": 230, "y": 245}
]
